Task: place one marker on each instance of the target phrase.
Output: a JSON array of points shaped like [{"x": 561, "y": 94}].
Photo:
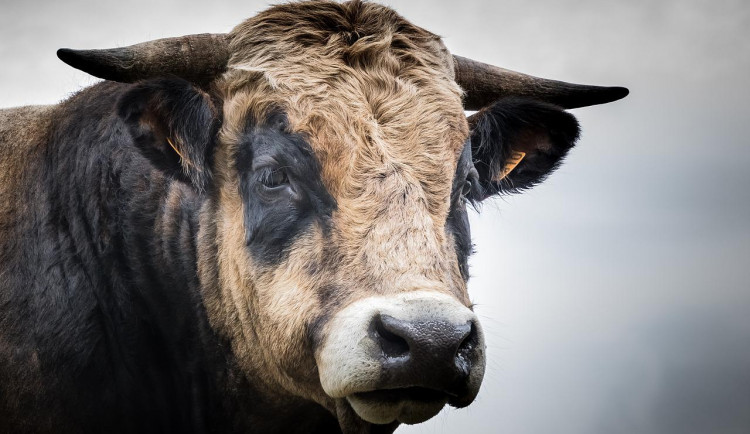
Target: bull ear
[
  {"x": 174, "y": 124},
  {"x": 517, "y": 142}
]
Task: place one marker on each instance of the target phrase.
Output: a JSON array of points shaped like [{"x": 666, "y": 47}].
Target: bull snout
[
  {"x": 403, "y": 358},
  {"x": 434, "y": 354}
]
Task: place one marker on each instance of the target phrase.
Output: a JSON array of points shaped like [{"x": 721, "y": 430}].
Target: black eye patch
[{"x": 281, "y": 188}]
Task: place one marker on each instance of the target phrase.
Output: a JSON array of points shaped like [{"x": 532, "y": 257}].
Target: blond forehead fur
[{"x": 374, "y": 93}]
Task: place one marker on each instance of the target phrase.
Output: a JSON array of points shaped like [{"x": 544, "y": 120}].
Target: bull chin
[{"x": 351, "y": 422}]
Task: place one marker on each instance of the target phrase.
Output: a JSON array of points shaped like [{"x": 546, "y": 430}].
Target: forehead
[{"x": 373, "y": 93}]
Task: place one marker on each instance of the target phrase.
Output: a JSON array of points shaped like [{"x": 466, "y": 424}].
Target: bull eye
[
  {"x": 470, "y": 185},
  {"x": 467, "y": 188},
  {"x": 273, "y": 178}
]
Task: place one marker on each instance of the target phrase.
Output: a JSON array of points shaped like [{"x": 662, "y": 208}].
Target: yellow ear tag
[
  {"x": 178, "y": 152},
  {"x": 513, "y": 161}
]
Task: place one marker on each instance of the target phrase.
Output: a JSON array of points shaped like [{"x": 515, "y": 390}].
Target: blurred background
[{"x": 616, "y": 296}]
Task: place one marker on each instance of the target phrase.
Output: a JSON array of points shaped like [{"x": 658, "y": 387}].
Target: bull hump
[
  {"x": 22, "y": 136},
  {"x": 20, "y": 126}
]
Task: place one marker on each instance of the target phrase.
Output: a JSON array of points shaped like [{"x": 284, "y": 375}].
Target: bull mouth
[
  {"x": 409, "y": 405},
  {"x": 422, "y": 394}
]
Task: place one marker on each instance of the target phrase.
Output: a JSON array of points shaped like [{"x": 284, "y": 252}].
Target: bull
[{"x": 260, "y": 231}]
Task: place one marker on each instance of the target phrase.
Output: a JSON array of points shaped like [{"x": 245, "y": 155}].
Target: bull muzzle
[{"x": 403, "y": 358}]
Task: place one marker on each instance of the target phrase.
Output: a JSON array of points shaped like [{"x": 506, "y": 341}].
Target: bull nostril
[
  {"x": 465, "y": 349},
  {"x": 392, "y": 345}
]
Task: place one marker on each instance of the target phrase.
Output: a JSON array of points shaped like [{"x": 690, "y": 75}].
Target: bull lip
[
  {"x": 351, "y": 423},
  {"x": 409, "y": 405},
  {"x": 414, "y": 393}
]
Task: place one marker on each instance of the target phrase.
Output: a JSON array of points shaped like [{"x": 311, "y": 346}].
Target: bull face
[
  {"x": 352, "y": 193},
  {"x": 334, "y": 235}
]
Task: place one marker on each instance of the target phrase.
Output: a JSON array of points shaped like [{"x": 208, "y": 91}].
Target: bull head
[{"x": 342, "y": 214}]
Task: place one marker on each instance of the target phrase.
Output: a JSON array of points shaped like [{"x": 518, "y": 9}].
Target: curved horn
[
  {"x": 196, "y": 58},
  {"x": 484, "y": 84}
]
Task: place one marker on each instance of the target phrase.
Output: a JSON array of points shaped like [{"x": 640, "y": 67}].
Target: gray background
[{"x": 615, "y": 297}]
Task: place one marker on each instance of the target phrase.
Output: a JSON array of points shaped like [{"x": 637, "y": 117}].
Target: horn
[
  {"x": 485, "y": 84},
  {"x": 196, "y": 58}
]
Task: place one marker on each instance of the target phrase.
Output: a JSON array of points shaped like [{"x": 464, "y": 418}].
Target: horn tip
[
  {"x": 595, "y": 96},
  {"x": 67, "y": 55},
  {"x": 78, "y": 59},
  {"x": 106, "y": 64},
  {"x": 618, "y": 92}
]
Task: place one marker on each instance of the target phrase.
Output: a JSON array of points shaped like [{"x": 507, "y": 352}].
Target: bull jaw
[{"x": 351, "y": 423}]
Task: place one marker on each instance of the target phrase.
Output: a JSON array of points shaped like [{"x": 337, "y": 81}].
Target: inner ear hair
[{"x": 530, "y": 140}]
